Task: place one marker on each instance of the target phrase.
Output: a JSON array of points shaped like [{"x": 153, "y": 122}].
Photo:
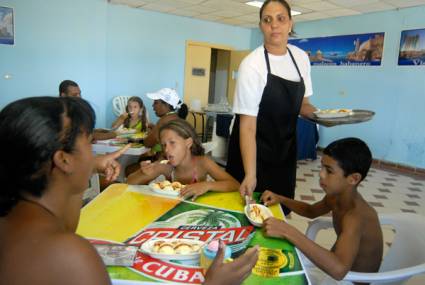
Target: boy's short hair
[{"x": 352, "y": 154}]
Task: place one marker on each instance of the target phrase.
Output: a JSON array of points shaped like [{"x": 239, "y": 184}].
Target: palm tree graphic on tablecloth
[{"x": 212, "y": 218}]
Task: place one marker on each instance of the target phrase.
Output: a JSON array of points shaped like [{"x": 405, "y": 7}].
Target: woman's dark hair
[
  {"x": 142, "y": 109},
  {"x": 31, "y": 131},
  {"x": 352, "y": 155},
  {"x": 284, "y": 3},
  {"x": 185, "y": 130},
  {"x": 182, "y": 111}
]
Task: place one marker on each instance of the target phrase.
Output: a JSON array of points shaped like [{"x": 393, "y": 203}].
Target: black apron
[{"x": 276, "y": 135}]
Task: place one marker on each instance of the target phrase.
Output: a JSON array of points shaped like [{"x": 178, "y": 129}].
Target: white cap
[{"x": 167, "y": 95}]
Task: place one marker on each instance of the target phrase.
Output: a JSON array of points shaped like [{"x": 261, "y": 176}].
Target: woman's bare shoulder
[
  {"x": 74, "y": 260},
  {"x": 167, "y": 118},
  {"x": 68, "y": 259}
]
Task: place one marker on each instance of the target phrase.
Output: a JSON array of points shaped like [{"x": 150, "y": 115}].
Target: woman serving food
[{"x": 271, "y": 92}]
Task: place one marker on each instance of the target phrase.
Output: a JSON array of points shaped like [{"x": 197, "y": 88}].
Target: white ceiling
[{"x": 236, "y": 12}]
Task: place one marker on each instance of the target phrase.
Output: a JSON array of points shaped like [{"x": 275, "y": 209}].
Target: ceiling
[{"x": 237, "y": 13}]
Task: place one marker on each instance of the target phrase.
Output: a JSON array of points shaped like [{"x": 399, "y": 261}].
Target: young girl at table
[
  {"x": 134, "y": 117},
  {"x": 186, "y": 163}
]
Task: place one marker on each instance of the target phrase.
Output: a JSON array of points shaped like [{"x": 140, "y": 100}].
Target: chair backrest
[
  {"x": 405, "y": 257},
  {"x": 119, "y": 103},
  {"x": 408, "y": 246},
  {"x": 209, "y": 146}
]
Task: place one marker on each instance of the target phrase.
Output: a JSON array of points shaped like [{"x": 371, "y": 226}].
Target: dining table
[
  {"x": 131, "y": 155},
  {"x": 132, "y": 215}
]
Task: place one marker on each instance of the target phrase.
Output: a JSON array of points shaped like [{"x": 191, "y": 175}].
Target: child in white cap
[{"x": 167, "y": 106}]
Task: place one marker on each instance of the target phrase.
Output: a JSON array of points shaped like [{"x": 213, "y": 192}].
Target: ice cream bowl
[{"x": 257, "y": 214}]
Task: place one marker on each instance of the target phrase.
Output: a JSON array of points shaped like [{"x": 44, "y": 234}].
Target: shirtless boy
[{"x": 359, "y": 243}]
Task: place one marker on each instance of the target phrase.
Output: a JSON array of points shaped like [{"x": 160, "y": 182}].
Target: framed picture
[
  {"x": 7, "y": 26},
  {"x": 345, "y": 50},
  {"x": 412, "y": 47}
]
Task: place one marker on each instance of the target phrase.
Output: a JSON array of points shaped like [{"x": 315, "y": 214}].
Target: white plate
[
  {"x": 125, "y": 131},
  {"x": 147, "y": 248},
  {"x": 332, "y": 113},
  {"x": 263, "y": 208},
  {"x": 164, "y": 192}
]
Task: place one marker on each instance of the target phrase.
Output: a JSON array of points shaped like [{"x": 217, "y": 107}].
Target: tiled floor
[{"x": 386, "y": 191}]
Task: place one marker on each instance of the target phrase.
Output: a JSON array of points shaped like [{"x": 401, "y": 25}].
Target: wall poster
[
  {"x": 7, "y": 29},
  {"x": 353, "y": 50},
  {"x": 412, "y": 47}
]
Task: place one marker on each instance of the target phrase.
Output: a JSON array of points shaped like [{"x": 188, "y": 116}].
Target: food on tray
[
  {"x": 257, "y": 214},
  {"x": 166, "y": 249},
  {"x": 173, "y": 249},
  {"x": 344, "y": 111},
  {"x": 335, "y": 111},
  {"x": 183, "y": 247},
  {"x": 168, "y": 186}
]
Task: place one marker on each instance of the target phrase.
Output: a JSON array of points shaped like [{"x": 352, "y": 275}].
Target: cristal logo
[
  {"x": 161, "y": 270},
  {"x": 228, "y": 235}
]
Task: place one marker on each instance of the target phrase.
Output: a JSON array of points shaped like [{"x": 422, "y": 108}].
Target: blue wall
[
  {"x": 55, "y": 40},
  {"x": 114, "y": 50},
  {"x": 395, "y": 93},
  {"x": 146, "y": 50},
  {"x": 108, "y": 49}
]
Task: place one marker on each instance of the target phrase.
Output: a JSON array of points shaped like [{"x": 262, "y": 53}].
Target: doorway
[{"x": 210, "y": 76}]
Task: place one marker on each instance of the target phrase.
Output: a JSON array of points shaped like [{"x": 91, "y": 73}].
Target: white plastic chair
[
  {"x": 118, "y": 104},
  {"x": 209, "y": 146},
  {"x": 405, "y": 257}
]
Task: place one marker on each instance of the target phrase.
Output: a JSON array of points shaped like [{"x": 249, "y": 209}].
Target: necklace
[{"x": 40, "y": 205}]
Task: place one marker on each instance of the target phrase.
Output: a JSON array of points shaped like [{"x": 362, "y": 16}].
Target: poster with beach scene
[
  {"x": 348, "y": 50},
  {"x": 412, "y": 47},
  {"x": 7, "y": 29}
]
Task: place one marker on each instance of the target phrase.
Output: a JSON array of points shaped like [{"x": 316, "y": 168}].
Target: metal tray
[{"x": 357, "y": 116}]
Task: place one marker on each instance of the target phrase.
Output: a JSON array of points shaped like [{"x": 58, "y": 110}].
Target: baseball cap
[{"x": 167, "y": 95}]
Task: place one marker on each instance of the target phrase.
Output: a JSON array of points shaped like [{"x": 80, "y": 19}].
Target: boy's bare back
[{"x": 368, "y": 229}]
